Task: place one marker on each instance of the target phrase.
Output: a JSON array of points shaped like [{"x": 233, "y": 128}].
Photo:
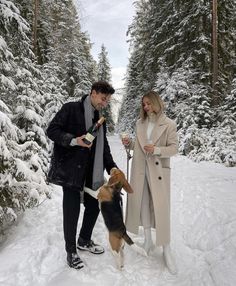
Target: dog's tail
[
  {"x": 134, "y": 246},
  {"x": 127, "y": 239}
]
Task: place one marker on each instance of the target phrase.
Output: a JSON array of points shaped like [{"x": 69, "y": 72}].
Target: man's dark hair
[{"x": 103, "y": 87}]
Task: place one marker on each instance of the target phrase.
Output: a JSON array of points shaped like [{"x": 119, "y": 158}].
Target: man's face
[{"x": 99, "y": 100}]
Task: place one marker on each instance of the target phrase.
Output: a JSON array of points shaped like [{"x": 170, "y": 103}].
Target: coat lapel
[
  {"x": 159, "y": 128},
  {"x": 142, "y": 133}
]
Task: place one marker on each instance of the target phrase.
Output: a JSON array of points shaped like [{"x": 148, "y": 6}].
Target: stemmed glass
[
  {"x": 148, "y": 155},
  {"x": 125, "y": 135}
]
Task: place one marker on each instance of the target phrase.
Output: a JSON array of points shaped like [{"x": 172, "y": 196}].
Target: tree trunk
[
  {"x": 35, "y": 24},
  {"x": 214, "y": 53}
]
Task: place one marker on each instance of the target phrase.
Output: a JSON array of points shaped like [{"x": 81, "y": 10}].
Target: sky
[
  {"x": 107, "y": 22},
  {"x": 203, "y": 219}
]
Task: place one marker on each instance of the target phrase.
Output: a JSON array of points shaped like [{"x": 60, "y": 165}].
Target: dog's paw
[{"x": 119, "y": 259}]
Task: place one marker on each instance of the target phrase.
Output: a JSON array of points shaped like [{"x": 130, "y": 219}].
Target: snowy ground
[{"x": 203, "y": 237}]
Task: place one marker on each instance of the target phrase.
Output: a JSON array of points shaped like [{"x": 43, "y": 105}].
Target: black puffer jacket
[{"x": 70, "y": 164}]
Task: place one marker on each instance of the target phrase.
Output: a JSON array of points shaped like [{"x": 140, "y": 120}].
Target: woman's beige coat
[{"x": 164, "y": 136}]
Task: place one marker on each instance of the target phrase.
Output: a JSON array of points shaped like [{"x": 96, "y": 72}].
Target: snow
[
  {"x": 8, "y": 82},
  {"x": 10, "y": 11},
  {"x": 3, "y": 44},
  {"x": 203, "y": 237},
  {"x": 116, "y": 102}
]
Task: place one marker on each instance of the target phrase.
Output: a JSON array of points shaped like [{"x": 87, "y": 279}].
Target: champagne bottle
[{"x": 93, "y": 131}]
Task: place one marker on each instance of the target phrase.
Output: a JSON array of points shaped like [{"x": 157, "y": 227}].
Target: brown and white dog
[{"x": 109, "y": 196}]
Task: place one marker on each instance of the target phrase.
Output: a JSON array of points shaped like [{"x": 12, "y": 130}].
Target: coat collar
[
  {"x": 159, "y": 128},
  {"x": 96, "y": 112}
]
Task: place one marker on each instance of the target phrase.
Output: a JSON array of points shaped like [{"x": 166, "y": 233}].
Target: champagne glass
[
  {"x": 126, "y": 141},
  {"x": 125, "y": 137},
  {"x": 149, "y": 141}
]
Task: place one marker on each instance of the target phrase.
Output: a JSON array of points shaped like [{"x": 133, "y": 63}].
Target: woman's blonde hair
[{"x": 156, "y": 101}]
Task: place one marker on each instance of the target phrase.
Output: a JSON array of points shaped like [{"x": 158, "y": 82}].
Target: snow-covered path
[{"x": 203, "y": 237}]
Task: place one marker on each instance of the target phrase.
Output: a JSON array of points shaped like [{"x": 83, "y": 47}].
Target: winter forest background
[{"x": 45, "y": 61}]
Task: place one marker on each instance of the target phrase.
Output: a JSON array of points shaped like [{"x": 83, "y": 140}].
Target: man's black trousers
[{"x": 71, "y": 211}]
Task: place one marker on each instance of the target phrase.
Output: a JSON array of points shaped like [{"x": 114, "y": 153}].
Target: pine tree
[
  {"x": 227, "y": 47},
  {"x": 22, "y": 178},
  {"x": 23, "y": 153},
  {"x": 68, "y": 42},
  {"x": 104, "y": 69},
  {"x": 53, "y": 95},
  {"x": 104, "y": 73},
  {"x": 59, "y": 36},
  {"x": 8, "y": 67},
  {"x": 132, "y": 97},
  {"x": 171, "y": 52}
]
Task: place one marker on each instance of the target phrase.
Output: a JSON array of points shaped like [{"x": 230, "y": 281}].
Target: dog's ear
[
  {"x": 119, "y": 181},
  {"x": 113, "y": 181},
  {"x": 114, "y": 177},
  {"x": 127, "y": 187}
]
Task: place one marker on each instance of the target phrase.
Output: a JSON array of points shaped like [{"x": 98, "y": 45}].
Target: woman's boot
[
  {"x": 148, "y": 244},
  {"x": 169, "y": 259}
]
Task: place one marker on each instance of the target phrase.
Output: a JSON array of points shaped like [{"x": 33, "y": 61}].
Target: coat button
[
  {"x": 157, "y": 163},
  {"x": 159, "y": 178}
]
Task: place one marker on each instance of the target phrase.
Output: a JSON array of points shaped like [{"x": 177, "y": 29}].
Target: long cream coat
[{"x": 164, "y": 136}]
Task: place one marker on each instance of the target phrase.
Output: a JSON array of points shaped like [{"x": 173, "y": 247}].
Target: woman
[{"x": 149, "y": 206}]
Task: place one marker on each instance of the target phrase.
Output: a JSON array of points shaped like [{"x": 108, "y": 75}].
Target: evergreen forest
[{"x": 46, "y": 60}]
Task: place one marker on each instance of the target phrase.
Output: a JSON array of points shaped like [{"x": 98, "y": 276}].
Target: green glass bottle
[{"x": 93, "y": 131}]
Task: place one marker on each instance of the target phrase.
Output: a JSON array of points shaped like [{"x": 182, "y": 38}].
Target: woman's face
[{"x": 147, "y": 106}]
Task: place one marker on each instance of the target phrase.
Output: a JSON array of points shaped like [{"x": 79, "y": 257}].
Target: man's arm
[{"x": 55, "y": 130}]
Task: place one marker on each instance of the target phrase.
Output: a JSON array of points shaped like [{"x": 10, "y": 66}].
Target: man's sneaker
[
  {"x": 89, "y": 246},
  {"x": 74, "y": 261}
]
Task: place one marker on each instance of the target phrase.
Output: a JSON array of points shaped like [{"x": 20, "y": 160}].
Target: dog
[{"x": 109, "y": 196}]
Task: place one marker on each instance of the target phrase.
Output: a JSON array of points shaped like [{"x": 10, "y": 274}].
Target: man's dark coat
[{"x": 72, "y": 165}]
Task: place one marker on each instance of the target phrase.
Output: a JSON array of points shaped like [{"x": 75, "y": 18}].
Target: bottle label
[{"x": 89, "y": 137}]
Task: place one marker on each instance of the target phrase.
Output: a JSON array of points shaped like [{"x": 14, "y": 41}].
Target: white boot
[
  {"x": 148, "y": 244},
  {"x": 169, "y": 259},
  {"x": 139, "y": 249}
]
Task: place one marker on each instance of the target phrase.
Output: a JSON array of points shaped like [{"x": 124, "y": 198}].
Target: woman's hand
[{"x": 149, "y": 148}]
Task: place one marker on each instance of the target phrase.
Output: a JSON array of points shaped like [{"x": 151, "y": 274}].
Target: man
[{"x": 75, "y": 164}]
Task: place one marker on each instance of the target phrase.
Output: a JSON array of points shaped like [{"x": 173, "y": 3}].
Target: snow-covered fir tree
[
  {"x": 53, "y": 95},
  {"x": 87, "y": 68},
  {"x": 171, "y": 52},
  {"x": 66, "y": 41},
  {"x": 34, "y": 83},
  {"x": 116, "y": 102},
  {"x": 21, "y": 175},
  {"x": 104, "y": 73},
  {"x": 21, "y": 170},
  {"x": 104, "y": 68},
  {"x": 130, "y": 106},
  {"x": 24, "y": 156}
]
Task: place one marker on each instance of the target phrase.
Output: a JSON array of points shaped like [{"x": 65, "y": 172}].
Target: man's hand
[{"x": 81, "y": 143}]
